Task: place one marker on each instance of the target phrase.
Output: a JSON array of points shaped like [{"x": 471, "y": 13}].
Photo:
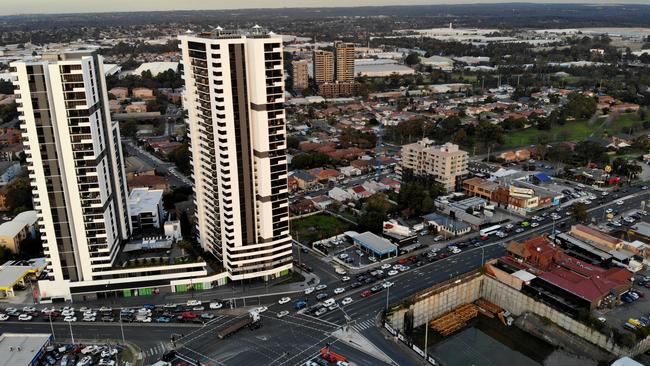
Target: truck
[
  {"x": 331, "y": 356},
  {"x": 249, "y": 321}
]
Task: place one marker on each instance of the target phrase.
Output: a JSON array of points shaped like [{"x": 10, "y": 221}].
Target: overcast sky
[{"x": 8, "y": 7}]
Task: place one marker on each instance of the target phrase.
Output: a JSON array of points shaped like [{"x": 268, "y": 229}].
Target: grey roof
[
  {"x": 374, "y": 243},
  {"x": 31, "y": 345},
  {"x": 642, "y": 228},
  {"x": 446, "y": 221}
]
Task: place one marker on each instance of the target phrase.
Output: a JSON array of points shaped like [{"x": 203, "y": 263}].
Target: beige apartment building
[
  {"x": 323, "y": 67},
  {"x": 446, "y": 163},
  {"x": 300, "y": 75},
  {"x": 344, "y": 62}
]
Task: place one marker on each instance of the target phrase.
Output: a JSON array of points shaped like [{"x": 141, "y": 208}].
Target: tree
[
  {"x": 590, "y": 152},
  {"x": 412, "y": 59},
  {"x": 579, "y": 212},
  {"x": 19, "y": 195},
  {"x": 181, "y": 157},
  {"x": 374, "y": 213},
  {"x": 129, "y": 129}
]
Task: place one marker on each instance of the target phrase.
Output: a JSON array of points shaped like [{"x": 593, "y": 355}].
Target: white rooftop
[
  {"x": 156, "y": 67},
  {"x": 144, "y": 200},
  {"x": 21, "y": 349},
  {"x": 13, "y": 227}
]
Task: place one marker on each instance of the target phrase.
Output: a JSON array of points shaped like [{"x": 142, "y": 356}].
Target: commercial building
[
  {"x": 562, "y": 281},
  {"x": 344, "y": 62},
  {"x": 447, "y": 164},
  {"x": 300, "y": 75},
  {"x": 18, "y": 229},
  {"x": 323, "y": 63},
  {"x": 23, "y": 349},
  {"x": 75, "y": 165},
  {"x": 237, "y": 131},
  {"x": 373, "y": 244},
  {"x": 145, "y": 208},
  {"x": 336, "y": 90}
]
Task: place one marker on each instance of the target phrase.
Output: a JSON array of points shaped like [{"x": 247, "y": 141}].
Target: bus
[{"x": 489, "y": 231}]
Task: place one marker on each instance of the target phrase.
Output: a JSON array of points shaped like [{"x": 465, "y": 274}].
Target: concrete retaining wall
[{"x": 441, "y": 299}]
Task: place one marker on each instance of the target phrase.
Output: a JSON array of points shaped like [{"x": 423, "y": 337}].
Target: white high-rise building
[
  {"x": 234, "y": 97},
  {"x": 75, "y": 165}
]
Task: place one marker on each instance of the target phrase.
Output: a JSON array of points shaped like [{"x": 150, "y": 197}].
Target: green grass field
[
  {"x": 316, "y": 227},
  {"x": 575, "y": 130}
]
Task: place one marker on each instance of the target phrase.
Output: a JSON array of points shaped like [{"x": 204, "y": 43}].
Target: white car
[
  {"x": 89, "y": 314},
  {"x": 29, "y": 309},
  {"x": 345, "y": 279},
  {"x": 215, "y": 305},
  {"x": 196, "y": 308},
  {"x": 4, "y": 317},
  {"x": 105, "y": 309},
  {"x": 604, "y": 193},
  {"x": 404, "y": 268},
  {"x": 70, "y": 319},
  {"x": 109, "y": 352},
  {"x": 67, "y": 312},
  {"x": 387, "y": 284},
  {"x": 385, "y": 266},
  {"x": 146, "y": 319},
  {"x": 67, "y": 308},
  {"x": 105, "y": 362},
  {"x": 456, "y": 250},
  {"x": 193, "y": 302},
  {"x": 392, "y": 272},
  {"x": 619, "y": 202},
  {"x": 89, "y": 318},
  {"x": 85, "y": 309},
  {"x": 144, "y": 311},
  {"x": 284, "y": 300},
  {"x": 25, "y": 318},
  {"x": 372, "y": 259},
  {"x": 339, "y": 290},
  {"x": 282, "y": 314},
  {"x": 609, "y": 210},
  {"x": 321, "y": 287},
  {"x": 309, "y": 290},
  {"x": 261, "y": 309},
  {"x": 346, "y": 301},
  {"x": 343, "y": 256},
  {"x": 534, "y": 224}
]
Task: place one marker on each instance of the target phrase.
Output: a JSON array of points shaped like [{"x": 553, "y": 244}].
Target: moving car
[
  {"x": 282, "y": 314},
  {"x": 284, "y": 300},
  {"x": 339, "y": 290},
  {"x": 346, "y": 301},
  {"x": 309, "y": 290}
]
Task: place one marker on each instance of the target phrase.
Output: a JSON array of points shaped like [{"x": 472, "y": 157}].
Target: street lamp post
[
  {"x": 71, "y": 334},
  {"x": 51, "y": 326},
  {"x": 122, "y": 329},
  {"x": 387, "y": 296}
]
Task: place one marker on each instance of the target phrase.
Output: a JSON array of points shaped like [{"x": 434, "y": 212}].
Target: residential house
[{"x": 304, "y": 180}]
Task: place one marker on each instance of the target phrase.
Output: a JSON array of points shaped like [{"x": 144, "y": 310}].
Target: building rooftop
[
  {"x": 22, "y": 349},
  {"x": 372, "y": 242},
  {"x": 144, "y": 200},
  {"x": 18, "y": 223}
]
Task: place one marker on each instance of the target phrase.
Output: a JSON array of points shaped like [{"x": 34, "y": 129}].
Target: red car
[
  {"x": 366, "y": 293},
  {"x": 647, "y": 285},
  {"x": 404, "y": 261},
  {"x": 189, "y": 315},
  {"x": 443, "y": 255}
]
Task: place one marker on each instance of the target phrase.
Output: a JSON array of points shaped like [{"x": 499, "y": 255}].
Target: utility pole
[
  {"x": 122, "y": 329},
  {"x": 71, "y": 334},
  {"x": 51, "y": 326},
  {"x": 426, "y": 339}
]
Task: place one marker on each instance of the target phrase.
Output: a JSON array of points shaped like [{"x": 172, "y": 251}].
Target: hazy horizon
[{"x": 16, "y": 7}]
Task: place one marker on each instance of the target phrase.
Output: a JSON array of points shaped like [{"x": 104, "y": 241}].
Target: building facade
[
  {"x": 75, "y": 164},
  {"x": 447, "y": 164},
  {"x": 323, "y": 64},
  {"x": 300, "y": 75},
  {"x": 344, "y": 62},
  {"x": 237, "y": 131},
  {"x": 74, "y": 159}
]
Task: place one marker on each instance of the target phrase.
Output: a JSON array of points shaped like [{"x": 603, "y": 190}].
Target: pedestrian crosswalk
[
  {"x": 368, "y": 323},
  {"x": 152, "y": 351}
]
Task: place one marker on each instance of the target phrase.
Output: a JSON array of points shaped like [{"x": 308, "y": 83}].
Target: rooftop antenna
[{"x": 219, "y": 30}]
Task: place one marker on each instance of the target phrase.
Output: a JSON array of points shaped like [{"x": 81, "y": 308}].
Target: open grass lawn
[
  {"x": 316, "y": 227},
  {"x": 575, "y": 130}
]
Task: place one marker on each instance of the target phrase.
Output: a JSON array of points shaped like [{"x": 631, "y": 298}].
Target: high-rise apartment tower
[
  {"x": 236, "y": 125},
  {"x": 344, "y": 62},
  {"x": 323, "y": 63}
]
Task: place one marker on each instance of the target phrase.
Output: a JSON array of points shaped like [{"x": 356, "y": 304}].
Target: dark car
[
  {"x": 355, "y": 284},
  {"x": 107, "y": 318},
  {"x": 377, "y": 288},
  {"x": 321, "y": 295},
  {"x": 368, "y": 280},
  {"x": 168, "y": 356}
]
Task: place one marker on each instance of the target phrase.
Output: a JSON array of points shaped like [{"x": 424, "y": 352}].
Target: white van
[{"x": 329, "y": 302}]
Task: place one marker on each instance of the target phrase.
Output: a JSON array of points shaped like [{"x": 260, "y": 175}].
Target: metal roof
[
  {"x": 374, "y": 243},
  {"x": 22, "y": 349}
]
